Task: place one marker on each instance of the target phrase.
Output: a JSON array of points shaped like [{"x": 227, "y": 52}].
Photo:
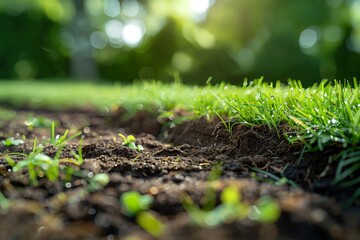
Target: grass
[{"x": 325, "y": 115}]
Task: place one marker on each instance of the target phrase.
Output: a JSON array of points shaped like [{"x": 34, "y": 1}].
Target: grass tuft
[{"x": 325, "y": 115}]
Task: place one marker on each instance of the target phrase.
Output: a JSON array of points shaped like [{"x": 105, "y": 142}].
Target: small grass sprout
[
  {"x": 39, "y": 165},
  {"x": 323, "y": 116},
  {"x": 98, "y": 181},
  {"x": 232, "y": 209},
  {"x": 266, "y": 210},
  {"x": 137, "y": 205},
  {"x": 129, "y": 141},
  {"x": 12, "y": 142},
  {"x": 59, "y": 140},
  {"x": 34, "y": 122},
  {"x": 4, "y": 203},
  {"x": 133, "y": 202},
  {"x": 271, "y": 178}
]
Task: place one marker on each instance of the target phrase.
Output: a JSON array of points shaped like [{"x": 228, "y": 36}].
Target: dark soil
[{"x": 177, "y": 159}]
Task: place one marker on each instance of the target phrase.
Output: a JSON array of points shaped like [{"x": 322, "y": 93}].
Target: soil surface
[{"x": 177, "y": 159}]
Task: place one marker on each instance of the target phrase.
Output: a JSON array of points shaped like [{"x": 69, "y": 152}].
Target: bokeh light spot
[
  {"x": 112, "y": 8},
  {"x": 94, "y": 7},
  {"x": 131, "y": 8},
  {"x": 98, "y": 40},
  {"x": 133, "y": 33},
  {"x": 114, "y": 29},
  {"x": 199, "y": 6},
  {"x": 25, "y": 69},
  {"x": 182, "y": 61},
  {"x": 204, "y": 38},
  {"x": 245, "y": 58},
  {"x": 308, "y": 40}
]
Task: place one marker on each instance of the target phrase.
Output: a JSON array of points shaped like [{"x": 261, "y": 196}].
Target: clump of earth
[{"x": 177, "y": 159}]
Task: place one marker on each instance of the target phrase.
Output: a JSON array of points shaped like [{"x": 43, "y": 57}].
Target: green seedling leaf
[
  {"x": 131, "y": 145},
  {"x": 39, "y": 165},
  {"x": 4, "y": 203},
  {"x": 195, "y": 213},
  {"x": 60, "y": 140},
  {"x": 129, "y": 141},
  {"x": 140, "y": 148},
  {"x": 265, "y": 211},
  {"x": 33, "y": 122},
  {"x": 123, "y": 137},
  {"x": 133, "y": 202},
  {"x": 230, "y": 195},
  {"x": 12, "y": 142},
  {"x": 101, "y": 178},
  {"x": 150, "y": 223},
  {"x": 230, "y": 210},
  {"x": 98, "y": 181}
]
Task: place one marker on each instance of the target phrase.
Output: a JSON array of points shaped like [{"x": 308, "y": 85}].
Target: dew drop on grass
[
  {"x": 86, "y": 129},
  {"x": 334, "y": 121}
]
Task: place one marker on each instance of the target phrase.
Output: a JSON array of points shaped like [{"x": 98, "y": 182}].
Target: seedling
[
  {"x": 133, "y": 202},
  {"x": 38, "y": 165},
  {"x": 232, "y": 209},
  {"x": 33, "y": 122},
  {"x": 98, "y": 181},
  {"x": 272, "y": 178},
  {"x": 129, "y": 141},
  {"x": 4, "y": 203},
  {"x": 59, "y": 140},
  {"x": 266, "y": 210},
  {"x": 12, "y": 142},
  {"x": 137, "y": 205}
]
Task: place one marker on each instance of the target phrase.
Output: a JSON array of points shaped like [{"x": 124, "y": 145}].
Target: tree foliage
[{"x": 228, "y": 40}]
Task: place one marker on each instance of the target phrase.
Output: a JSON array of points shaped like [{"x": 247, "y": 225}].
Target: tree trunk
[{"x": 83, "y": 65}]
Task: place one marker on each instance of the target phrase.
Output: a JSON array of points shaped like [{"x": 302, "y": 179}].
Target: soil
[{"x": 177, "y": 159}]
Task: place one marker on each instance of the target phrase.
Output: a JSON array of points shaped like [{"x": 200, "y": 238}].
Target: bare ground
[{"x": 177, "y": 159}]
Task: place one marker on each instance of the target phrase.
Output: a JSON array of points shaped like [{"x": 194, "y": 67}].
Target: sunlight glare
[
  {"x": 133, "y": 33},
  {"x": 199, "y": 6}
]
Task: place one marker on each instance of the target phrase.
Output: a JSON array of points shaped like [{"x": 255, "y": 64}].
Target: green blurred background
[{"x": 228, "y": 40}]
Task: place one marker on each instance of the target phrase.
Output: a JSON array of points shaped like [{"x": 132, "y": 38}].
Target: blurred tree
[
  {"x": 82, "y": 65},
  {"x": 226, "y": 39},
  {"x": 30, "y": 44}
]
